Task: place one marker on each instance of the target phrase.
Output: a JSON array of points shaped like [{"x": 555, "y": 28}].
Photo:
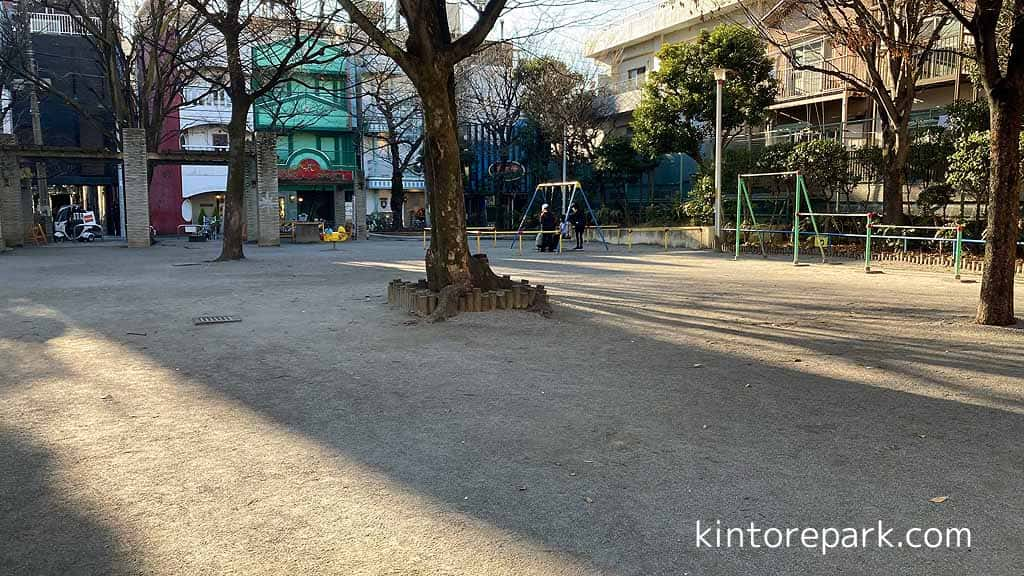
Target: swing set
[
  {"x": 547, "y": 192},
  {"x": 801, "y": 199},
  {"x": 800, "y": 194}
]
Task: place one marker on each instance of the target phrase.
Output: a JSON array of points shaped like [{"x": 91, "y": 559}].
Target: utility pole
[
  {"x": 719, "y": 82},
  {"x": 42, "y": 188},
  {"x": 359, "y": 181},
  {"x": 565, "y": 168}
]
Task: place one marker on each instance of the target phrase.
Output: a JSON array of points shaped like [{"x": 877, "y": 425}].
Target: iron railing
[
  {"x": 65, "y": 24},
  {"x": 206, "y": 96}
]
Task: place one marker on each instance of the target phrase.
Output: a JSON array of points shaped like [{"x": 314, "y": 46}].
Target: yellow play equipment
[{"x": 339, "y": 235}]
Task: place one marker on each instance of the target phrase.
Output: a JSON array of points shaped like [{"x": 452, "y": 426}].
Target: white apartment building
[
  {"x": 377, "y": 160},
  {"x": 203, "y": 126},
  {"x": 808, "y": 102}
]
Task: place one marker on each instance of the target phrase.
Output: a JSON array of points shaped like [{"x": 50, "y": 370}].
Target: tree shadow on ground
[
  {"x": 596, "y": 437},
  {"x": 44, "y": 531}
]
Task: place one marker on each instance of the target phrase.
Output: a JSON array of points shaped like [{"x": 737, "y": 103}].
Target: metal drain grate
[{"x": 215, "y": 320}]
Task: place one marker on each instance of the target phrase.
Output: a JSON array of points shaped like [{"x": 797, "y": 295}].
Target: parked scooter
[{"x": 73, "y": 223}]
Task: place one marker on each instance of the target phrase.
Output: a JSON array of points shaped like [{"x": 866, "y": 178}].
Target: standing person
[
  {"x": 548, "y": 229},
  {"x": 579, "y": 225}
]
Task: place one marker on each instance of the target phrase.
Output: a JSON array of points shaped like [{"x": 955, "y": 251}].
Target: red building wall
[{"x": 165, "y": 187}]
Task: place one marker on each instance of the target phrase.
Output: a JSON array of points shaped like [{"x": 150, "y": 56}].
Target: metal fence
[{"x": 66, "y": 24}]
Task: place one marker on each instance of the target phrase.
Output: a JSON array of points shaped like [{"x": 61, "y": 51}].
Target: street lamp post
[{"x": 719, "y": 82}]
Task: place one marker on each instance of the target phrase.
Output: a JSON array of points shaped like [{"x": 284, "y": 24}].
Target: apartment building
[
  {"x": 627, "y": 50},
  {"x": 181, "y": 194},
  {"x": 392, "y": 116},
  {"x": 809, "y": 104},
  {"x": 812, "y": 104},
  {"x": 493, "y": 135},
  {"x": 313, "y": 116},
  {"x": 72, "y": 68},
  {"x": 312, "y": 113}
]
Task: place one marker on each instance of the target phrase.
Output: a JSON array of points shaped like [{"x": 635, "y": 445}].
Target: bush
[
  {"x": 775, "y": 158},
  {"x": 968, "y": 167},
  {"x": 825, "y": 167},
  {"x": 701, "y": 205},
  {"x": 935, "y": 198},
  {"x": 609, "y": 216}
]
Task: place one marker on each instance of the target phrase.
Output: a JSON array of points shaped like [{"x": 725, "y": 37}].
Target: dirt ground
[{"x": 327, "y": 433}]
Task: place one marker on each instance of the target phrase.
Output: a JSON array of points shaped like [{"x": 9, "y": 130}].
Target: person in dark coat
[
  {"x": 548, "y": 228},
  {"x": 579, "y": 225}
]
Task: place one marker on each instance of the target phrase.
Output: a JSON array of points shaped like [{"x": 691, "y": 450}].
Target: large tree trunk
[
  {"x": 397, "y": 188},
  {"x": 447, "y": 260},
  {"x": 996, "y": 305},
  {"x": 895, "y": 150},
  {"x": 231, "y": 248}
]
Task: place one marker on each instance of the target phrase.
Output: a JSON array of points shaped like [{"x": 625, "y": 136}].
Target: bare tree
[
  {"x": 490, "y": 91},
  {"x": 395, "y": 113},
  {"x": 567, "y": 107},
  {"x": 13, "y": 47},
  {"x": 428, "y": 58},
  {"x": 263, "y": 45},
  {"x": 997, "y": 30},
  {"x": 144, "y": 51},
  {"x": 881, "y": 46}
]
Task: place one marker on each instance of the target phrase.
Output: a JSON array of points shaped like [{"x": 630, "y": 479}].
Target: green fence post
[
  {"x": 958, "y": 250},
  {"x": 801, "y": 185},
  {"x": 740, "y": 190},
  {"x": 796, "y": 224},
  {"x": 867, "y": 246},
  {"x": 753, "y": 220}
]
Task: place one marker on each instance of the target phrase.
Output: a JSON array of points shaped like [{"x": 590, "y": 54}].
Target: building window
[
  {"x": 220, "y": 140},
  {"x": 635, "y": 76},
  {"x": 808, "y": 82}
]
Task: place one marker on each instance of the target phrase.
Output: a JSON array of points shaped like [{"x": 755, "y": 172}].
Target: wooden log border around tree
[{"x": 417, "y": 299}]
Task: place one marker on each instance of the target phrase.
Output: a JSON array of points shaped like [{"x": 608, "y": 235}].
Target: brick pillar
[
  {"x": 339, "y": 207},
  {"x": 11, "y": 196},
  {"x": 266, "y": 167},
  {"x": 136, "y": 187},
  {"x": 250, "y": 200},
  {"x": 359, "y": 209},
  {"x": 28, "y": 215}
]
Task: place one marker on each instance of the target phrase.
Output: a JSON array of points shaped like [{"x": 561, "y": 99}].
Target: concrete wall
[
  {"x": 269, "y": 233},
  {"x": 693, "y": 237},
  {"x": 11, "y": 228},
  {"x": 136, "y": 187}
]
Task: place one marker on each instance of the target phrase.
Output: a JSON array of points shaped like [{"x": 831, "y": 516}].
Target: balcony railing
[
  {"x": 624, "y": 85},
  {"x": 804, "y": 83},
  {"x": 376, "y": 126},
  {"x": 204, "y": 96},
  {"x": 203, "y": 148},
  {"x": 939, "y": 63},
  {"x": 64, "y": 24}
]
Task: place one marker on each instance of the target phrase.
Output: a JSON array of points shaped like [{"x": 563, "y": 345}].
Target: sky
[{"x": 560, "y": 27}]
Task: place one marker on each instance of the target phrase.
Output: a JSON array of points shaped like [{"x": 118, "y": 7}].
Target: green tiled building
[{"x": 316, "y": 145}]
